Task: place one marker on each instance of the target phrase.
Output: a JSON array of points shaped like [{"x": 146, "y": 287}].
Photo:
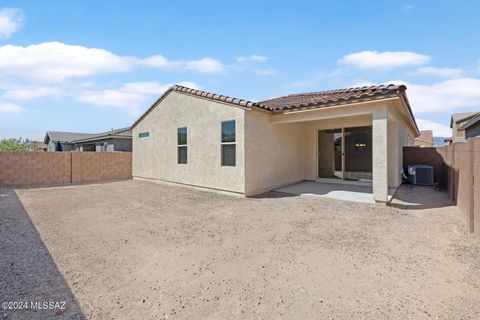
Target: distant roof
[
  {"x": 473, "y": 120},
  {"x": 73, "y": 137},
  {"x": 301, "y": 101},
  {"x": 59, "y": 136},
  {"x": 118, "y": 133},
  {"x": 456, "y": 117}
]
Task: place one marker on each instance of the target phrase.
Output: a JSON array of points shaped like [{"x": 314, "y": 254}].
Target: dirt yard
[{"x": 140, "y": 250}]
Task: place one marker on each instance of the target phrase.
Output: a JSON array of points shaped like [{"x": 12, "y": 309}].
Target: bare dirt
[{"x": 140, "y": 250}]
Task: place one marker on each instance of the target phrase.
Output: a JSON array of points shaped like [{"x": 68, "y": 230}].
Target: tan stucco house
[{"x": 204, "y": 139}]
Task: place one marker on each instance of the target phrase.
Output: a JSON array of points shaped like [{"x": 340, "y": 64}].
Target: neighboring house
[
  {"x": 204, "y": 139},
  {"x": 425, "y": 139},
  {"x": 471, "y": 127},
  {"x": 114, "y": 140},
  {"x": 62, "y": 141},
  {"x": 456, "y": 121},
  {"x": 448, "y": 141}
]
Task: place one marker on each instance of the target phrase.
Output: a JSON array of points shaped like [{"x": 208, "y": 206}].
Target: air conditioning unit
[{"x": 420, "y": 175}]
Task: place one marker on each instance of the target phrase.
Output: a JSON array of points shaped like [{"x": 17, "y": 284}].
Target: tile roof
[
  {"x": 310, "y": 100},
  {"x": 214, "y": 96},
  {"x": 199, "y": 93},
  {"x": 317, "y": 99}
]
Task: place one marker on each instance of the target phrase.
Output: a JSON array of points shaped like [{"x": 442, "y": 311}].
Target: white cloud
[
  {"x": 265, "y": 72},
  {"x": 11, "y": 20},
  {"x": 154, "y": 88},
  {"x": 444, "y": 96},
  {"x": 131, "y": 97},
  {"x": 203, "y": 65},
  {"x": 29, "y": 93},
  {"x": 384, "y": 60},
  {"x": 439, "y": 130},
  {"x": 127, "y": 101},
  {"x": 157, "y": 61},
  {"x": 55, "y": 61},
  {"x": 252, "y": 58},
  {"x": 441, "y": 72},
  {"x": 6, "y": 107}
]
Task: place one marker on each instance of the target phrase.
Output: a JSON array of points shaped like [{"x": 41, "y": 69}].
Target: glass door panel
[
  {"x": 358, "y": 154},
  {"x": 330, "y": 154}
]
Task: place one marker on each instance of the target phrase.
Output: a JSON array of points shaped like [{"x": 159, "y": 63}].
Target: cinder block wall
[
  {"x": 92, "y": 166},
  {"x": 54, "y": 168},
  {"x": 476, "y": 186},
  {"x": 458, "y": 166}
]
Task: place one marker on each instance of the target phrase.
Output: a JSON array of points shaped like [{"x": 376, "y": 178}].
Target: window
[
  {"x": 104, "y": 146},
  {"x": 143, "y": 135},
  {"x": 182, "y": 144},
  {"x": 228, "y": 143}
]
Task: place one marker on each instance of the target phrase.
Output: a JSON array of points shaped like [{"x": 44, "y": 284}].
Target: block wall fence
[
  {"x": 58, "y": 168},
  {"x": 457, "y": 171}
]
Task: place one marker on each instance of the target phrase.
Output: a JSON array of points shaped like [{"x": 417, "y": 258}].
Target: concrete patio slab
[{"x": 339, "y": 191}]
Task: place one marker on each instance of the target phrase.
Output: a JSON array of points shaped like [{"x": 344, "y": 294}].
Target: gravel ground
[{"x": 140, "y": 250}]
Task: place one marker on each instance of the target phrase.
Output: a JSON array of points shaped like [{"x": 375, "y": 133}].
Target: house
[
  {"x": 456, "y": 121},
  {"x": 62, "y": 141},
  {"x": 425, "y": 139},
  {"x": 209, "y": 140},
  {"x": 113, "y": 140},
  {"x": 471, "y": 128}
]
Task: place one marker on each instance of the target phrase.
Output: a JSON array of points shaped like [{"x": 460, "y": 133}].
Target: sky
[{"x": 90, "y": 66}]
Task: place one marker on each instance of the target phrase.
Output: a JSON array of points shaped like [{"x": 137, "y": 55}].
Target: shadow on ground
[
  {"x": 27, "y": 271},
  {"x": 411, "y": 197}
]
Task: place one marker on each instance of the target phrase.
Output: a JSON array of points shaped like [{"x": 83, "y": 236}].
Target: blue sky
[{"x": 89, "y": 66}]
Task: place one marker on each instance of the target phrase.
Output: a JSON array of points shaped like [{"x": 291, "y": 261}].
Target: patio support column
[{"x": 380, "y": 154}]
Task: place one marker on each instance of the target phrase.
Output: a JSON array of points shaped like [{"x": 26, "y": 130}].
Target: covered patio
[
  {"x": 339, "y": 191},
  {"x": 351, "y": 151}
]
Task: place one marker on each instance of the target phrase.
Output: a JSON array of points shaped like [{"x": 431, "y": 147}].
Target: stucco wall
[
  {"x": 155, "y": 157},
  {"x": 400, "y": 135},
  {"x": 272, "y": 150},
  {"x": 113, "y": 144},
  {"x": 273, "y": 153}
]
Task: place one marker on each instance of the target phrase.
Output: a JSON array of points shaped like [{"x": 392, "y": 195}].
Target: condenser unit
[{"x": 420, "y": 175}]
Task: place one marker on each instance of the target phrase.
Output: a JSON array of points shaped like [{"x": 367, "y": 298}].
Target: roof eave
[
  {"x": 469, "y": 123},
  {"x": 110, "y": 136}
]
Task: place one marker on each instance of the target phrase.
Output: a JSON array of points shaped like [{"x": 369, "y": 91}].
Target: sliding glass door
[
  {"x": 345, "y": 154},
  {"x": 330, "y": 154}
]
